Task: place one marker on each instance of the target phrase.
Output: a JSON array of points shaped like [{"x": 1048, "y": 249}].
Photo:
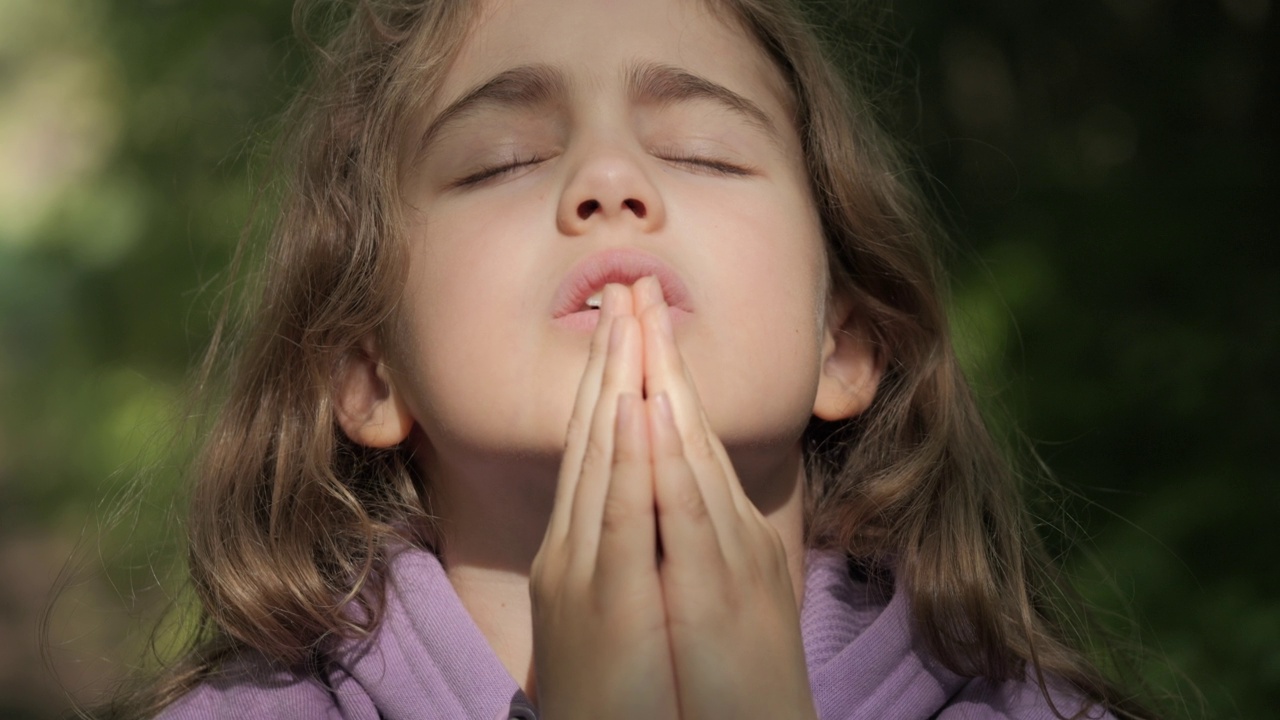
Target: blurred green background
[{"x": 1108, "y": 167}]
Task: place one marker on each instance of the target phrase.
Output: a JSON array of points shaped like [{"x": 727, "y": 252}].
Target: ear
[
  {"x": 369, "y": 408},
  {"x": 851, "y": 366}
]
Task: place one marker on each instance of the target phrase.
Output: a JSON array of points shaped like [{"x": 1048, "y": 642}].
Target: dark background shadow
[{"x": 1107, "y": 167}]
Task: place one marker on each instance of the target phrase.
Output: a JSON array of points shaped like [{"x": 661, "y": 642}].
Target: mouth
[{"x": 577, "y": 300}]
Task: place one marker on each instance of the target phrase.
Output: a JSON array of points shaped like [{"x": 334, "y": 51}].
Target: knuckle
[
  {"x": 685, "y": 499},
  {"x": 553, "y": 580},
  {"x": 692, "y": 505},
  {"x": 771, "y": 553},
  {"x": 597, "y": 452},
  {"x": 777, "y": 551},
  {"x": 616, "y": 516},
  {"x": 761, "y": 534},
  {"x": 696, "y": 441},
  {"x": 540, "y": 580},
  {"x": 624, "y": 456},
  {"x": 577, "y": 427},
  {"x": 700, "y": 445}
]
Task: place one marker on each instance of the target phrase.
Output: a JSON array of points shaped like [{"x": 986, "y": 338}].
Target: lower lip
[{"x": 585, "y": 321}]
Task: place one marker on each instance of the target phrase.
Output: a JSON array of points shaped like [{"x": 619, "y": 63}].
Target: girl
[{"x": 601, "y": 371}]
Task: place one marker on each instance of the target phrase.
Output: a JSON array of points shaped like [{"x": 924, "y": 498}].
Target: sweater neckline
[{"x": 428, "y": 658}]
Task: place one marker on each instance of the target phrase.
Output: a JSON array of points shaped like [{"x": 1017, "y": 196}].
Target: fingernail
[
  {"x": 625, "y": 403},
  {"x": 663, "y": 404}
]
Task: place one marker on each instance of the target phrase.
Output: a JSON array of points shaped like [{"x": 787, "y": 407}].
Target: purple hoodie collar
[
  {"x": 863, "y": 658},
  {"x": 429, "y": 659}
]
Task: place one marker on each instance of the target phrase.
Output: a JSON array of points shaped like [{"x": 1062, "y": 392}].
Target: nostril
[
  {"x": 635, "y": 206},
  {"x": 588, "y": 208}
]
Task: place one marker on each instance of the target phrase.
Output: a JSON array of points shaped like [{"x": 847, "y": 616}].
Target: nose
[{"x": 609, "y": 186}]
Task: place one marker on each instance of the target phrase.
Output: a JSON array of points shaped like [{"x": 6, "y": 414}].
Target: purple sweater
[{"x": 428, "y": 660}]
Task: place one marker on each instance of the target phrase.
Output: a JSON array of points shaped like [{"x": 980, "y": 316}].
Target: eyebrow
[
  {"x": 666, "y": 84},
  {"x": 524, "y": 86},
  {"x": 528, "y": 86}
]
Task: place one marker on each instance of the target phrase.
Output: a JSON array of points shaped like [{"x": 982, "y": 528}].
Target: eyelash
[
  {"x": 493, "y": 171},
  {"x": 708, "y": 165},
  {"x": 716, "y": 167}
]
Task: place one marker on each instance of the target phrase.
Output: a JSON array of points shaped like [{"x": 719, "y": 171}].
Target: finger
[
  {"x": 733, "y": 483},
  {"x": 684, "y": 524},
  {"x": 665, "y": 374},
  {"x": 646, "y": 292},
  {"x": 622, "y": 374},
  {"x": 615, "y": 301},
  {"x": 628, "y": 533}
]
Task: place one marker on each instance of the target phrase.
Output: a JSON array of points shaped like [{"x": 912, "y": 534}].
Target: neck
[{"x": 493, "y": 517}]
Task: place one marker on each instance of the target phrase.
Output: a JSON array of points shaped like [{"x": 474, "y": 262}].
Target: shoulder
[
  {"x": 252, "y": 688},
  {"x": 866, "y": 659},
  {"x": 986, "y": 699}
]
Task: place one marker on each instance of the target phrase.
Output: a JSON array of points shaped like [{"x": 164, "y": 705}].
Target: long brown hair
[
  {"x": 290, "y": 520},
  {"x": 918, "y": 483}
]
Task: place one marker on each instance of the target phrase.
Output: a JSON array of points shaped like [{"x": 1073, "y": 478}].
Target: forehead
[{"x": 595, "y": 43}]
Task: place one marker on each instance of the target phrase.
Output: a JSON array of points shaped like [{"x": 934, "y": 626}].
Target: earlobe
[
  {"x": 851, "y": 366},
  {"x": 369, "y": 408}
]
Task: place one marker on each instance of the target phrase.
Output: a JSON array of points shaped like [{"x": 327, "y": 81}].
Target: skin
[
  {"x": 554, "y": 467},
  {"x": 711, "y": 629}
]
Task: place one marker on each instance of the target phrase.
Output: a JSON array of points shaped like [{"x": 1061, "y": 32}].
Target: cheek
[
  {"x": 480, "y": 373},
  {"x": 460, "y": 333},
  {"x": 766, "y": 337},
  {"x": 470, "y": 267}
]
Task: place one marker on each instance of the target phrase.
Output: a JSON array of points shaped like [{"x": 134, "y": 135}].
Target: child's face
[{"x": 645, "y": 125}]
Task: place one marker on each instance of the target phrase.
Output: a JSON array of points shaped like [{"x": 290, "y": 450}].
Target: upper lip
[{"x": 620, "y": 265}]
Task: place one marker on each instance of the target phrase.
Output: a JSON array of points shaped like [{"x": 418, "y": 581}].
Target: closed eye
[
  {"x": 495, "y": 171},
  {"x": 704, "y": 164}
]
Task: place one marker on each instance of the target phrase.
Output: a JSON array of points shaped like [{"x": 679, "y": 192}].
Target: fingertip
[
  {"x": 639, "y": 300},
  {"x": 662, "y": 405},
  {"x": 661, "y": 358},
  {"x": 617, "y": 300},
  {"x": 648, "y": 292},
  {"x": 657, "y": 321}
]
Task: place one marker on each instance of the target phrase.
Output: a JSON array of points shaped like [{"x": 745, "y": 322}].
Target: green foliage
[{"x": 1105, "y": 165}]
